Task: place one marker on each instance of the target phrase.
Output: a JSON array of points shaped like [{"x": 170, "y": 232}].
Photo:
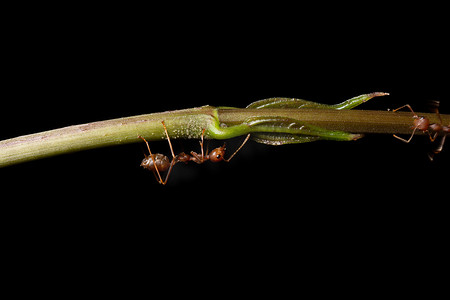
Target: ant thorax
[{"x": 436, "y": 127}]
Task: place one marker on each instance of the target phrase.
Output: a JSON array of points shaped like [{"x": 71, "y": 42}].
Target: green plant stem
[
  {"x": 220, "y": 123},
  {"x": 357, "y": 121}
]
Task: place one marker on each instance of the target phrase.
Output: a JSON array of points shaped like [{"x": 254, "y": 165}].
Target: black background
[{"x": 324, "y": 202}]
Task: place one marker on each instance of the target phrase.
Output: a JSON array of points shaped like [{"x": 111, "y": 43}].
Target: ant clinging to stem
[
  {"x": 423, "y": 124},
  {"x": 160, "y": 163}
]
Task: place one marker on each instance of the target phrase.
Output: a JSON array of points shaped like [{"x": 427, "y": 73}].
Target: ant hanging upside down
[
  {"x": 423, "y": 124},
  {"x": 160, "y": 163}
]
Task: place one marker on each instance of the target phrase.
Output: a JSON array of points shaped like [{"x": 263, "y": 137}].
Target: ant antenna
[{"x": 242, "y": 145}]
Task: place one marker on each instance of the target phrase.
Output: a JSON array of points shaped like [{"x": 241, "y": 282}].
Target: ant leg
[
  {"x": 438, "y": 149},
  {"x": 207, "y": 148},
  {"x": 174, "y": 158},
  {"x": 415, "y": 128},
  {"x": 409, "y": 140},
  {"x": 242, "y": 145},
  {"x": 201, "y": 143},
  {"x": 168, "y": 139},
  {"x": 432, "y": 138},
  {"x": 441, "y": 145},
  {"x": 156, "y": 177},
  {"x": 436, "y": 110},
  {"x": 434, "y": 107},
  {"x": 195, "y": 156},
  {"x": 439, "y": 116},
  {"x": 408, "y": 106},
  {"x": 153, "y": 159},
  {"x": 172, "y": 163}
]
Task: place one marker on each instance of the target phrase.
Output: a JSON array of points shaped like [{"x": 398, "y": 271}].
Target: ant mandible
[
  {"x": 160, "y": 163},
  {"x": 423, "y": 124}
]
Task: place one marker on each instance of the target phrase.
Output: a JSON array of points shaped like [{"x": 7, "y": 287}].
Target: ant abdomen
[{"x": 162, "y": 162}]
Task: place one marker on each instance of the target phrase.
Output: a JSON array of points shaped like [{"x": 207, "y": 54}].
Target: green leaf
[
  {"x": 280, "y": 131},
  {"x": 300, "y": 103}
]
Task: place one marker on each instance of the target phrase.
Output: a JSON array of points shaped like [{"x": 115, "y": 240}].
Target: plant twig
[{"x": 220, "y": 123}]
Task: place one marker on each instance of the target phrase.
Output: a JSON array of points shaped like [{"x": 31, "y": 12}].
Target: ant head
[
  {"x": 422, "y": 123},
  {"x": 217, "y": 154}
]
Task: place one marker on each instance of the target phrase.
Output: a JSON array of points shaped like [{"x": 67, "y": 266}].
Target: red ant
[
  {"x": 160, "y": 163},
  {"x": 423, "y": 124}
]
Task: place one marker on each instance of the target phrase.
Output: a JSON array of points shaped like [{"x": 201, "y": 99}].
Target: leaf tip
[
  {"x": 357, "y": 136},
  {"x": 377, "y": 94}
]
